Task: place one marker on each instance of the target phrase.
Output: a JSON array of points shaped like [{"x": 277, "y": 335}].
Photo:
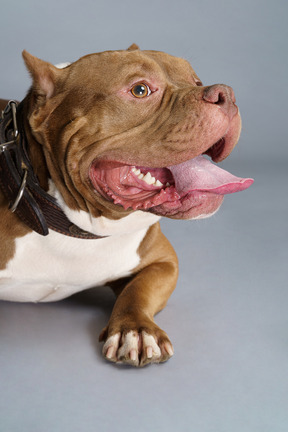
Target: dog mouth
[{"x": 191, "y": 189}]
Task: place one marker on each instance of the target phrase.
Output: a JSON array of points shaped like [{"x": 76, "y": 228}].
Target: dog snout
[{"x": 223, "y": 96}]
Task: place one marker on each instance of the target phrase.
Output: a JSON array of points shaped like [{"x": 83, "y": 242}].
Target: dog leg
[{"x": 131, "y": 335}]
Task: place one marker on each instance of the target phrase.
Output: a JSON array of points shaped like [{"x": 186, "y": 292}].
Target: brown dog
[{"x": 94, "y": 155}]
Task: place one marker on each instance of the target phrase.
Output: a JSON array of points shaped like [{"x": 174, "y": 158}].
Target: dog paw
[{"x": 137, "y": 348}]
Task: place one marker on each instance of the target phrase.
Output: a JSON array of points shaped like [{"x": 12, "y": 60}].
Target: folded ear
[
  {"x": 133, "y": 47},
  {"x": 44, "y": 75}
]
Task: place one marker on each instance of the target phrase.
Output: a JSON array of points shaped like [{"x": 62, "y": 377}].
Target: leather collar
[{"x": 34, "y": 206}]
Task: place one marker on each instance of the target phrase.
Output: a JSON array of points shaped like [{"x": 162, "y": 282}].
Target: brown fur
[
  {"x": 80, "y": 112},
  {"x": 103, "y": 121}
]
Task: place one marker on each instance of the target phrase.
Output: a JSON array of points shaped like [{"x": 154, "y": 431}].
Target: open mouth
[{"x": 191, "y": 189}]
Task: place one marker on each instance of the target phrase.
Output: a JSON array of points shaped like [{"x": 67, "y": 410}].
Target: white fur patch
[{"x": 56, "y": 266}]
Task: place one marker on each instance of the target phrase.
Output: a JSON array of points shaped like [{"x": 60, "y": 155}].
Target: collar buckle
[{"x": 10, "y": 107}]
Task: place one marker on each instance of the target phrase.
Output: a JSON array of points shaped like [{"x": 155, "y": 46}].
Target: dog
[{"x": 96, "y": 153}]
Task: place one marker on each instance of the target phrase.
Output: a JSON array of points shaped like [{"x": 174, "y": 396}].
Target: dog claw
[
  {"x": 169, "y": 349},
  {"x": 149, "y": 352},
  {"x": 109, "y": 353},
  {"x": 133, "y": 355}
]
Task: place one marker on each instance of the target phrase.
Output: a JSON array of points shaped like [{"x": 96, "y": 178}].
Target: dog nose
[{"x": 223, "y": 96}]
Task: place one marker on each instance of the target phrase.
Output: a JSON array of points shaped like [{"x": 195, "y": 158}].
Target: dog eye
[{"x": 140, "y": 90}]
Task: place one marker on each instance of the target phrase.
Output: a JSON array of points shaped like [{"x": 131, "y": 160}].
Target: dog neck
[{"x": 24, "y": 178}]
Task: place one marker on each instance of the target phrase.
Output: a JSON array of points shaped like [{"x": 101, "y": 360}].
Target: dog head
[{"x": 127, "y": 130}]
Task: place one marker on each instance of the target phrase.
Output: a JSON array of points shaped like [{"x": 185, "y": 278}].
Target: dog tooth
[
  {"x": 149, "y": 179},
  {"x": 133, "y": 169},
  {"x": 137, "y": 171},
  {"x": 158, "y": 183},
  {"x": 140, "y": 176},
  {"x": 168, "y": 184}
]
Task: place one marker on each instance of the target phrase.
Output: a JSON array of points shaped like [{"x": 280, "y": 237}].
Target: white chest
[{"x": 54, "y": 267}]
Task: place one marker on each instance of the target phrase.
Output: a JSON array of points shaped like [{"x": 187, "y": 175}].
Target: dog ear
[
  {"x": 44, "y": 75},
  {"x": 133, "y": 47}
]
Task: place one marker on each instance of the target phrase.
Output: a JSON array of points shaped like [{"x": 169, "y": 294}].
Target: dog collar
[{"x": 34, "y": 206}]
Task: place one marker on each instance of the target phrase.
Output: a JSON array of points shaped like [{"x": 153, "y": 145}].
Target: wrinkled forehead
[
  {"x": 119, "y": 64},
  {"x": 175, "y": 68}
]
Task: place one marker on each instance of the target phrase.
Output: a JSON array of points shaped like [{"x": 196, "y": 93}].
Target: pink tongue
[{"x": 199, "y": 174}]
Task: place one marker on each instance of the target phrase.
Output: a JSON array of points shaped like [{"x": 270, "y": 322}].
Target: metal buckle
[
  {"x": 11, "y": 106},
  {"x": 14, "y": 206}
]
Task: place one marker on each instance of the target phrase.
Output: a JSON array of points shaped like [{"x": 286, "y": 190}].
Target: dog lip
[{"x": 216, "y": 149}]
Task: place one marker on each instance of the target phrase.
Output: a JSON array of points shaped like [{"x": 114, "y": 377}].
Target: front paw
[{"x": 136, "y": 347}]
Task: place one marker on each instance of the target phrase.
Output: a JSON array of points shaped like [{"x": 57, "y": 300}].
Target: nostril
[
  {"x": 221, "y": 99},
  {"x": 216, "y": 94}
]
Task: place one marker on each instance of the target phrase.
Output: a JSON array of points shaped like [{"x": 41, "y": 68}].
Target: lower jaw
[{"x": 193, "y": 206}]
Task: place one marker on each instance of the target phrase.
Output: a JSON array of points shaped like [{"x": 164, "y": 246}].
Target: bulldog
[{"x": 90, "y": 160}]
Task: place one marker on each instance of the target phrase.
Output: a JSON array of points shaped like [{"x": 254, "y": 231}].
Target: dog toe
[
  {"x": 151, "y": 352},
  {"x": 129, "y": 349},
  {"x": 111, "y": 346}
]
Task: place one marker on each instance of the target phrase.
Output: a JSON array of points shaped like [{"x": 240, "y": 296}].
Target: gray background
[{"x": 227, "y": 318}]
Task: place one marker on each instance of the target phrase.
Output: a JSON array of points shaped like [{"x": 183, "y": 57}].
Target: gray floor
[{"x": 227, "y": 320}]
